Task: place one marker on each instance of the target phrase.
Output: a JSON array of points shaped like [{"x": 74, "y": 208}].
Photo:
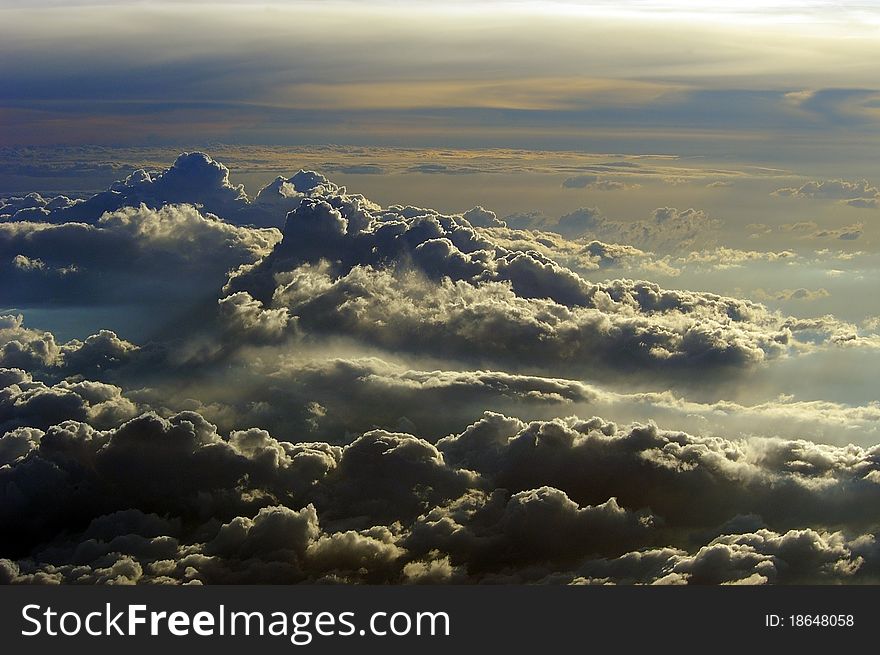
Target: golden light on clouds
[{"x": 539, "y": 93}]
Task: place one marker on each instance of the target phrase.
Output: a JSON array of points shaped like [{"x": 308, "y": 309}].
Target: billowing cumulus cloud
[
  {"x": 38, "y": 350},
  {"x": 133, "y": 255},
  {"x": 193, "y": 179},
  {"x": 502, "y": 501},
  {"x": 414, "y": 279},
  {"x": 578, "y": 254},
  {"x": 25, "y": 402},
  {"x": 392, "y": 395},
  {"x": 647, "y": 467}
]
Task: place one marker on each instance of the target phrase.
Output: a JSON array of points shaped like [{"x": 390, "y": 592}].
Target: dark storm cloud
[{"x": 502, "y": 501}]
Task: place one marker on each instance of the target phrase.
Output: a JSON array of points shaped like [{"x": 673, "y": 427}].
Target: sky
[
  {"x": 768, "y": 81},
  {"x": 401, "y": 293}
]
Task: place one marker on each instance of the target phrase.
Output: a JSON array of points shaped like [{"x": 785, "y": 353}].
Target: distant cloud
[
  {"x": 864, "y": 203},
  {"x": 668, "y": 229},
  {"x": 801, "y": 294},
  {"x": 354, "y": 169},
  {"x": 194, "y": 179},
  {"x": 812, "y": 230},
  {"x": 846, "y": 233},
  {"x": 443, "y": 169},
  {"x": 595, "y": 182},
  {"x": 859, "y": 193}
]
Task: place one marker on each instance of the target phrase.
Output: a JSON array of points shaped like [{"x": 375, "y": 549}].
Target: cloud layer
[
  {"x": 171, "y": 500},
  {"x": 400, "y": 395},
  {"x": 412, "y": 279}
]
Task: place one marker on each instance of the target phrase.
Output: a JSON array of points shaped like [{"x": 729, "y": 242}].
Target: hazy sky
[{"x": 765, "y": 81}]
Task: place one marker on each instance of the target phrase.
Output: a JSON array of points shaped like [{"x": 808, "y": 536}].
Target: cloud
[
  {"x": 805, "y": 295},
  {"x": 490, "y": 322},
  {"x": 859, "y": 193},
  {"x": 178, "y": 466},
  {"x": 669, "y": 229},
  {"x": 37, "y": 350},
  {"x": 846, "y": 233},
  {"x": 502, "y": 501},
  {"x": 688, "y": 481},
  {"x": 442, "y": 169},
  {"x": 493, "y": 532},
  {"x": 354, "y": 169},
  {"x": 594, "y": 182},
  {"x": 130, "y": 255},
  {"x": 412, "y": 279},
  {"x": 527, "y": 220},
  {"x": 193, "y": 179},
  {"x": 332, "y": 398},
  {"x": 863, "y": 203},
  {"x": 482, "y": 217},
  {"x": 25, "y": 348},
  {"x": 25, "y": 402},
  {"x": 810, "y": 230},
  {"x": 762, "y": 557},
  {"x": 92, "y": 164},
  {"x": 582, "y": 254},
  {"x": 314, "y": 418}
]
